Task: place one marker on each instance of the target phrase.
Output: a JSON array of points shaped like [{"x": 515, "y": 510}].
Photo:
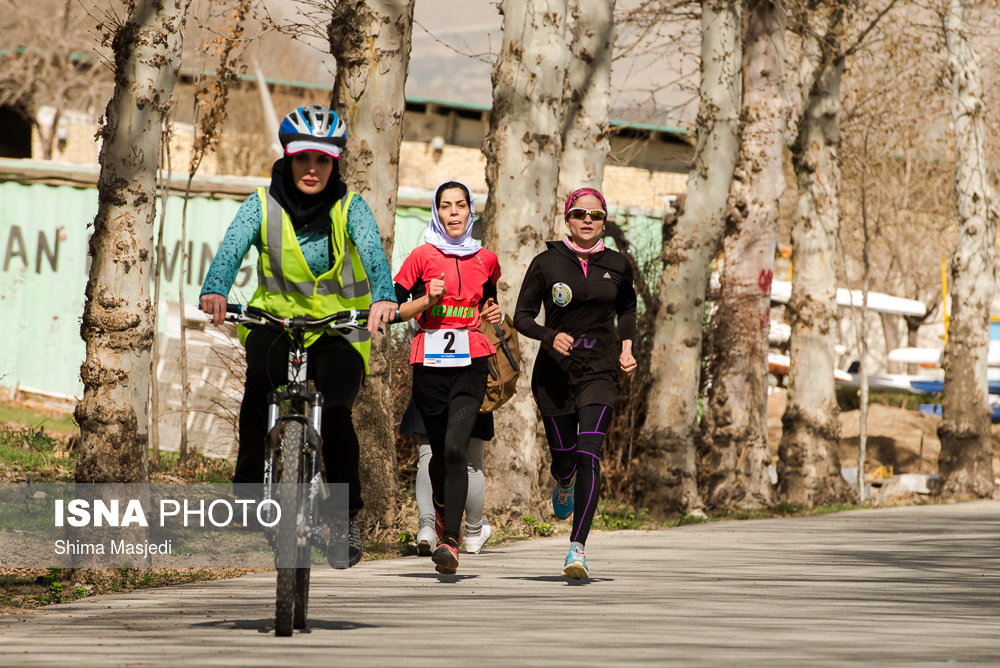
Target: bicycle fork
[{"x": 310, "y": 465}]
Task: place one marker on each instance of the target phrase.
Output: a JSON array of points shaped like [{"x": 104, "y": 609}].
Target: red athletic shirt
[{"x": 464, "y": 278}]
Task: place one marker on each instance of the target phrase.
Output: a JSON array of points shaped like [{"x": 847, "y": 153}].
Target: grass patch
[
  {"x": 30, "y": 453},
  {"x": 536, "y": 527},
  {"x": 27, "y": 416},
  {"x": 758, "y": 514},
  {"x": 198, "y": 469},
  {"x": 33, "y": 445},
  {"x": 793, "y": 509},
  {"x": 32, "y": 588},
  {"x": 27, "y": 438},
  {"x": 778, "y": 510},
  {"x": 691, "y": 518},
  {"x": 18, "y": 460},
  {"x": 614, "y": 515},
  {"x": 835, "y": 508}
]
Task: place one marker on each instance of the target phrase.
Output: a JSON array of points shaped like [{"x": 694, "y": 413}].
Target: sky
[
  {"x": 455, "y": 43},
  {"x": 454, "y": 46}
]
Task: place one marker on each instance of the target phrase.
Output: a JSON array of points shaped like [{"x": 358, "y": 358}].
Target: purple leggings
[{"x": 575, "y": 443}]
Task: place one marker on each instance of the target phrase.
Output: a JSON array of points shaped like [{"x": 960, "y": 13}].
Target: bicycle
[{"x": 294, "y": 454}]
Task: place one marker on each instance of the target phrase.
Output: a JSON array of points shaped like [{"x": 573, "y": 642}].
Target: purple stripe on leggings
[
  {"x": 558, "y": 435},
  {"x": 562, "y": 481},
  {"x": 598, "y": 425},
  {"x": 589, "y": 453},
  {"x": 593, "y": 432},
  {"x": 583, "y": 511}
]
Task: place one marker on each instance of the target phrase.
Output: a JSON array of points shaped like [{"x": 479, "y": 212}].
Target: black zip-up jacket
[{"x": 582, "y": 306}]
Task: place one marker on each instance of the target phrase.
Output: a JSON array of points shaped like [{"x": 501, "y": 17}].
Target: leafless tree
[
  {"x": 966, "y": 460},
  {"x": 49, "y": 59},
  {"x": 211, "y": 108},
  {"x": 163, "y": 177},
  {"x": 666, "y": 480},
  {"x": 732, "y": 467},
  {"x": 586, "y": 99},
  {"x": 656, "y": 53},
  {"x": 808, "y": 465},
  {"x": 522, "y": 152},
  {"x": 895, "y": 160},
  {"x": 371, "y": 43},
  {"x": 118, "y": 315}
]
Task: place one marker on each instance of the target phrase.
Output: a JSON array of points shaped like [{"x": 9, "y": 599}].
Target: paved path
[{"x": 895, "y": 587}]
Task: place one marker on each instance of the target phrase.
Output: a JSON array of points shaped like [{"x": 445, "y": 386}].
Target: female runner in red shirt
[{"x": 452, "y": 281}]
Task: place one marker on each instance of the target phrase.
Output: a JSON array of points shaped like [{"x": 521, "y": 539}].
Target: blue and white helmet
[{"x": 313, "y": 128}]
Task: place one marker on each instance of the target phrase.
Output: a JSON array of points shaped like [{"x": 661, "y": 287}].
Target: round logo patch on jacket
[{"x": 561, "y": 294}]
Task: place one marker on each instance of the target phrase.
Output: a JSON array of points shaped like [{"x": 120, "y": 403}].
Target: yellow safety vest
[{"x": 287, "y": 287}]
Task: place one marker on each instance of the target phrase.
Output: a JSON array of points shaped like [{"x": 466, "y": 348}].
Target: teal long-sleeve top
[{"x": 244, "y": 232}]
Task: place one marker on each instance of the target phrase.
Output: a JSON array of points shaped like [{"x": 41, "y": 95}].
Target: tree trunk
[
  {"x": 371, "y": 43},
  {"x": 154, "y": 394},
  {"x": 735, "y": 456},
  {"x": 182, "y": 273},
  {"x": 808, "y": 466},
  {"x": 913, "y": 327},
  {"x": 118, "y": 315},
  {"x": 522, "y": 152},
  {"x": 966, "y": 460},
  {"x": 370, "y": 40},
  {"x": 665, "y": 480},
  {"x": 892, "y": 337},
  {"x": 586, "y": 101},
  {"x": 862, "y": 332}
]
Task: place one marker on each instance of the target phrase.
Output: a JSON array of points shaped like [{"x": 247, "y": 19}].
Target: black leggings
[
  {"x": 337, "y": 369},
  {"x": 449, "y": 433},
  {"x": 575, "y": 443}
]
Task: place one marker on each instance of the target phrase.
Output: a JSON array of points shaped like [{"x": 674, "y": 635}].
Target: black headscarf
[{"x": 305, "y": 211}]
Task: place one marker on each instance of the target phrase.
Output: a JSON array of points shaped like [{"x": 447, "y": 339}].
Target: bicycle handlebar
[{"x": 242, "y": 313}]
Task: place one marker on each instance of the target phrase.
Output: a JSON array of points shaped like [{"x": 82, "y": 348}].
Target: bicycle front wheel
[{"x": 290, "y": 500}]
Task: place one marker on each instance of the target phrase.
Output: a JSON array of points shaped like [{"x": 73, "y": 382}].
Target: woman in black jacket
[{"x": 583, "y": 286}]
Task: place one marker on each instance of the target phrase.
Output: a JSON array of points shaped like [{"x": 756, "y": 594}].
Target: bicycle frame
[{"x": 306, "y": 406}]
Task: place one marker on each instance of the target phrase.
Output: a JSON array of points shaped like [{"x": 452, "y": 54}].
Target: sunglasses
[{"x": 580, "y": 214}]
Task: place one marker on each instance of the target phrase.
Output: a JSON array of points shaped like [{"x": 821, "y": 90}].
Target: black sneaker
[
  {"x": 354, "y": 548},
  {"x": 337, "y": 549}
]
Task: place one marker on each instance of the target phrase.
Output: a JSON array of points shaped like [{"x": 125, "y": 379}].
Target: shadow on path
[
  {"x": 267, "y": 625},
  {"x": 572, "y": 582}
]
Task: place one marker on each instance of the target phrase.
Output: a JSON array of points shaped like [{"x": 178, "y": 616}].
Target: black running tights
[
  {"x": 449, "y": 433},
  {"x": 575, "y": 444}
]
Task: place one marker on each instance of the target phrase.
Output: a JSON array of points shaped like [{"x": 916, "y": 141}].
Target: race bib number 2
[{"x": 446, "y": 347}]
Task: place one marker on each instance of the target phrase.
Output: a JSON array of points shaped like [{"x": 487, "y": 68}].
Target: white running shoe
[
  {"x": 474, "y": 543},
  {"x": 426, "y": 540}
]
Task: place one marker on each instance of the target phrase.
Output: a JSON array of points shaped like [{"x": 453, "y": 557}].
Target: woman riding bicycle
[{"x": 319, "y": 253}]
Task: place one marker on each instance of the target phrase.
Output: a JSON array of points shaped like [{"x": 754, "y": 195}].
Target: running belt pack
[{"x": 504, "y": 366}]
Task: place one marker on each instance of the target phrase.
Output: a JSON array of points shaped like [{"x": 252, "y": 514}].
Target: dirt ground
[{"x": 903, "y": 439}]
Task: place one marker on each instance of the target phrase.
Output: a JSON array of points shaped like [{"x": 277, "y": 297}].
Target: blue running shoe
[
  {"x": 562, "y": 499},
  {"x": 576, "y": 564}
]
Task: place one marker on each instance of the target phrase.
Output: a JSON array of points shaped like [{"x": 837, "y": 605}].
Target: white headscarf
[{"x": 437, "y": 237}]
